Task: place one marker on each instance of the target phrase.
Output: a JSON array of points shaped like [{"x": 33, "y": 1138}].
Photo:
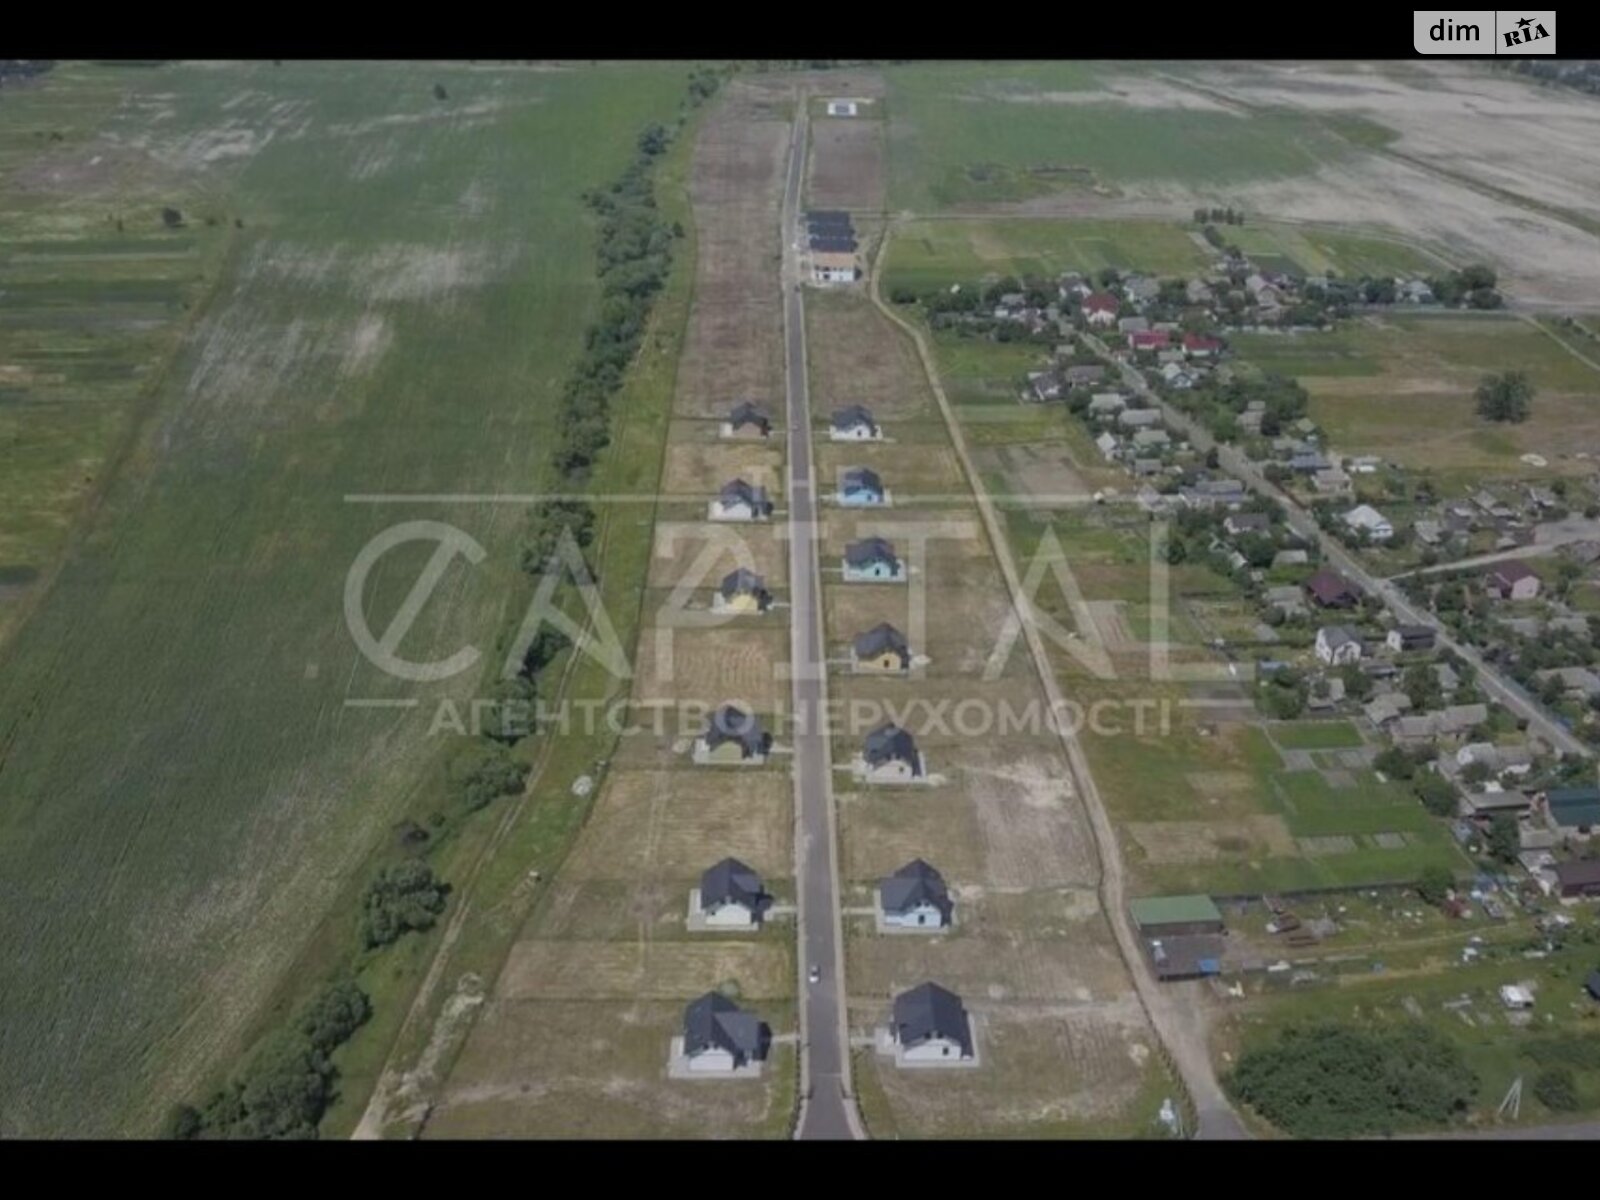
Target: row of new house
[
  {"x": 748, "y": 420},
  {"x": 735, "y": 737},
  {"x": 740, "y": 500},
  {"x": 732, "y": 895}
]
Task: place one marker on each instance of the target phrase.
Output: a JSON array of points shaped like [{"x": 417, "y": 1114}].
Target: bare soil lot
[
  {"x": 858, "y": 357},
  {"x": 733, "y": 349},
  {"x": 700, "y": 553},
  {"x": 598, "y": 1069},
  {"x": 648, "y": 970},
  {"x": 907, "y": 469},
  {"x": 673, "y": 824},
  {"x": 701, "y": 470},
  {"x": 728, "y": 665},
  {"x": 846, "y": 168}
]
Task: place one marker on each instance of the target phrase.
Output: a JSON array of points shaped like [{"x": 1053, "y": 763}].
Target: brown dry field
[
  {"x": 1048, "y": 1070},
  {"x": 847, "y": 163},
  {"x": 673, "y": 824},
  {"x": 1165, "y": 843},
  {"x": 702, "y": 552},
  {"x": 730, "y": 664},
  {"x": 857, "y": 357},
  {"x": 598, "y": 1069},
  {"x": 908, "y": 469},
  {"x": 700, "y": 469},
  {"x": 957, "y": 627},
  {"x": 648, "y": 970},
  {"x": 733, "y": 347}
]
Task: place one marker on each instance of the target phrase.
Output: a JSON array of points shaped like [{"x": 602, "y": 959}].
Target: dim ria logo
[{"x": 1487, "y": 31}]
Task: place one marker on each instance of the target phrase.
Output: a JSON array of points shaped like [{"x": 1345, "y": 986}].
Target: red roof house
[
  {"x": 1100, "y": 308},
  {"x": 1148, "y": 339},
  {"x": 1200, "y": 346}
]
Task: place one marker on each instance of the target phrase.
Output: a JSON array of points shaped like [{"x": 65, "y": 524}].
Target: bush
[
  {"x": 1557, "y": 1089},
  {"x": 1331, "y": 1080},
  {"x": 401, "y": 898}
]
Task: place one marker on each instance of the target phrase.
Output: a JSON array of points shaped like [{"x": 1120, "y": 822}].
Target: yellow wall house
[
  {"x": 881, "y": 648},
  {"x": 742, "y": 591}
]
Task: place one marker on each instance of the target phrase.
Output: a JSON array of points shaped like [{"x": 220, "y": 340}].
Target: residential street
[
  {"x": 1233, "y": 461},
  {"x": 827, "y": 1107}
]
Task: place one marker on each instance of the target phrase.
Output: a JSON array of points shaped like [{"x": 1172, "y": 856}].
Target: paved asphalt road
[
  {"x": 1497, "y": 686},
  {"x": 827, "y": 1109}
]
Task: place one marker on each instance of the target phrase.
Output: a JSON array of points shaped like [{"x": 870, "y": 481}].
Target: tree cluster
[{"x": 402, "y": 897}]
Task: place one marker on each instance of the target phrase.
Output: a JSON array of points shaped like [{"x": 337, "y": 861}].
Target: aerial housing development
[{"x": 829, "y": 600}]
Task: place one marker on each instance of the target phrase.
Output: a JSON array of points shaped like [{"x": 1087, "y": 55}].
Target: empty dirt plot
[
  {"x": 700, "y": 470},
  {"x": 598, "y": 1069},
  {"x": 912, "y": 470},
  {"x": 858, "y": 357},
  {"x": 699, "y": 554},
  {"x": 673, "y": 824},
  {"x": 847, "y": 168},
  {"x": 1047, "y": 1071},
  {"x": 731, "y": 664},
  {"x": 1163, "y": 843},
  {"x": 649, "y": 970},
  {"x": 733, "y": 348}
]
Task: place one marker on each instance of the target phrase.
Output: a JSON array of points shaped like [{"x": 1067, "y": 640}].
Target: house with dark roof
[
  {"x": 742, "y": 591},
  {"x": 860, "y": 487},
  {"x": 741, "y": 501},
  {"x": 733, "y": 736},
  {"x": 890, "y": 755},
  {"x": 872, "y": 560},
  {"x": 1246, "y": 522},
  {"x": 931, "y": 1026},
  {"x": 1403, "y": 639},
  {"x": 747, "y": 420},
  {"x": 1579, "y": 879},
  {"x": 1329, "y": 589},
  {"x": 881, "y": 648},
  {"x": 1593, "y": 985},
  {"x": 731, "y": 896},
  {"x": 1511, "y": 580},
  {"x": 719, "y": 1037},
  {"x": 1574, "y": 809},
  {"x": 915, "y": 897},
  {"x": 853, "y": 423}
]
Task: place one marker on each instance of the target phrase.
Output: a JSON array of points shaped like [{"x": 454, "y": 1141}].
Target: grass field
[
  {"x": 160, "y": 891},
  {"x": 974, "y": 133},
  {"x": 932, "y": 254},
  {"x": 1316, "y": 251},
  {"x": 1402, "y": 387},
  {"x": 1314, "y": 735}
]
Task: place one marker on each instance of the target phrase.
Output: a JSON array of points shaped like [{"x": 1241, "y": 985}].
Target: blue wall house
[
  {"x": 860, "y": 487},
  {"x": 872, "y": 560}
]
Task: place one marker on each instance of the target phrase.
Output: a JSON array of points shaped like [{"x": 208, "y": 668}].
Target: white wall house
[
  {"x": 1365, "y": 518},
  {"x": 1337, "y": 646}
]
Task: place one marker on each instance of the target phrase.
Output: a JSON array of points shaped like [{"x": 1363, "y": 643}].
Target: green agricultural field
[
  {"x": 1402, "y": 387},
  {"x": 929, "y": 254},
  {"x": 965, "y": 134},
  {"x": 1314, "y": 735},
  {"x": 182, "y": 790},
  {"x": 1311, "y": 250}
]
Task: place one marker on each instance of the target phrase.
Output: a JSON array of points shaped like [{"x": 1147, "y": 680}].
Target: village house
[
  {"x": 741, "y": 591},
  {"x": 1331, "y": 481},
  {"x": 930, "y": 1026},
  {"x": 1151, "y": 439},
  {"x": 1578, "y": 682},
  {"x": 1363, "y": 518},
  {"x": 1142, "y": 288},
  {"x": 1427, "y": 531},
  {"x": 1337, "y": 645},
  {"x": 1246, "y": 522},
  {"x": 1148, "y": 341},
  {"x": 1084, "y": 374},
  {"x": 1183, "y": 935},
  {"x": 747, "y": 420},
  {"x": 1138, "y": 418},
  {"x": 860, "y": 487},
  {"x": 1197, "y": 291},
  {"x": 721, "y": 1038},
  {"x": 853, "y": 423},
  {"x": 1133, "y": 325},
  {"x": 1575, "y": 811},
  {"x": 1450, "y": 721},
  {"x": 881, "y": 648},
  {"x": 1290, "y": 558},
  {"x": 1101, "y": 308},
  {"x": 1288, "y": 599},
  {"x": 1108, "y": 444},
  {"x": 890, "y": 755},
  {"x": 733, "y": 736},
  {"x": 1106, "y": 404},
  {"x": 915, "y": 897},
  {"x": 1511, "y": 580},
  {"x": 1481, "y": 807},
  {"x": 1403, "y": 639},
  {"x": 1044, "y": 386},
  {"x": 872, "y": 560},
  {"x": 1329, "y": 589},
  {"x": 741, "y": 501},
  {"x": 731, "y": 896},
  {"x": 1176, "y": 377},
  {"x": 1579, "y": 880},
  {"x": 1197, "y": 345},
  {"x": 834, "y": 266}
]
